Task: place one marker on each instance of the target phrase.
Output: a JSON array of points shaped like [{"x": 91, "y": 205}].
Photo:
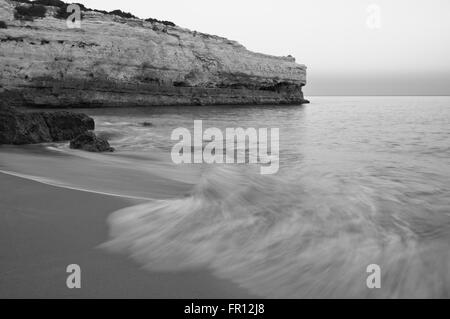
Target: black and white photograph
[{"x": 225, "y": 150}]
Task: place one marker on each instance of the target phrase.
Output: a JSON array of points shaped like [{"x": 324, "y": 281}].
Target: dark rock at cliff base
[
  {"x": 22, "y": 128},
  {"x": 89, "y": 142},
  {"x": 19, "y": 128},
  {"x": 65, "y": 126}
]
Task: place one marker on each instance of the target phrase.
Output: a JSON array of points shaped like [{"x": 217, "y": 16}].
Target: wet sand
[{"x": 44, "y": 228}]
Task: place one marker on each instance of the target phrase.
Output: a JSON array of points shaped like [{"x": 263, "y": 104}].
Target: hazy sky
[{"x": 348, "y": 48}]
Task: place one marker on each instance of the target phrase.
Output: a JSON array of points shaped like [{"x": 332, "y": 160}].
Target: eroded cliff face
[{"x": 112, "y": 61}]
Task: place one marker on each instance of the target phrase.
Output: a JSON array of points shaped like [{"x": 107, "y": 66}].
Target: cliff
[{"x": 115, "y": 61}]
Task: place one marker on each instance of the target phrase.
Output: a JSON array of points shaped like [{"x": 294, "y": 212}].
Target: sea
[{"x": 362, "y": 181}]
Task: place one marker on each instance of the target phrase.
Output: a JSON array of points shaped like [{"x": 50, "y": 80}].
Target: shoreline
[{"x": 55, "y": 227}]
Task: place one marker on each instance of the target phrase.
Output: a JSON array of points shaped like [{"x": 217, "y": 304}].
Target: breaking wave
[{"x": 291, "y": 237}]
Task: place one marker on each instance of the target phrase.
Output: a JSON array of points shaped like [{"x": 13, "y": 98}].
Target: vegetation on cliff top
[
  {"x": 30, "y": 12},
  {"x": 160, "y": 21},
  {"x": 62, "y": 11}
]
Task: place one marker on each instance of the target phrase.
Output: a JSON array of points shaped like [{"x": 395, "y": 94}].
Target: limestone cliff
[{"x": 113, "y": 61}]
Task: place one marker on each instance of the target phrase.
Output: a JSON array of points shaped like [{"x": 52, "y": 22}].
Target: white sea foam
[
  {"x": 281, "y": 238},
  {"x": 57, "y": 183}
]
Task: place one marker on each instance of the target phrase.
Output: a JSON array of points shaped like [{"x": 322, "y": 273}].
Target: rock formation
[
  {"x": 88, "y": 141},
  {"x": 116, "y": 61},
  {"x": 19, "y": 128},
  {"x": 64, "y": 126}
]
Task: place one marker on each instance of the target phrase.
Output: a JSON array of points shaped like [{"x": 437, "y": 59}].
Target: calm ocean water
[{"x": 363, "y": 180}]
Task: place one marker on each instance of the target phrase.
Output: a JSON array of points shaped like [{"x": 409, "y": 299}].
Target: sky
[{"x": 351, "y": 47}]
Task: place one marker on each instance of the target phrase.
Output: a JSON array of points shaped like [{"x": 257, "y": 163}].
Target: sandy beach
[{"x": 45, "y": 228}]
